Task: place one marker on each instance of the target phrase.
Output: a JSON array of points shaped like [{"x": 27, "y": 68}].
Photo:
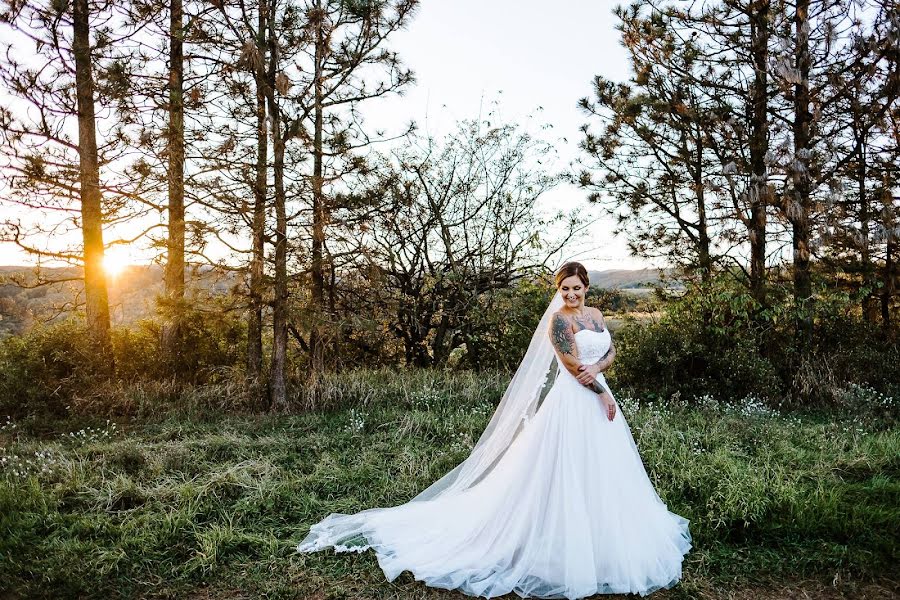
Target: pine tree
[
  {"x": 75, "y": 70},
  {"x": 651, "y": 164},
  {"x": 347, "y": 40}
]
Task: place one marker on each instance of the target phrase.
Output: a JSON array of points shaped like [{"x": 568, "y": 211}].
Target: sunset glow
[{"x": 115, "y": 260}]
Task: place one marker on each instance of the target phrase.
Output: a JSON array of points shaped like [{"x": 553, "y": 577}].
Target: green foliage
[
  {"x": 716, "y": 339},
  {"x": 660, "y": 359},
  {"x": 501, "y": 324},
  {"x": 711, "y": 340},
  {"x": 39, "y": 371},
  {"x": 619, "y": 301},
  {"x": 55, "y": 367},
  {"x": 857, "y": 351},
  {"x": 706, "y": 342},
  {"x": 206, "y": 344}
]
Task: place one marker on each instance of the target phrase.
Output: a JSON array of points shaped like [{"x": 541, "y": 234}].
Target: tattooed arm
[
  {"x": 599, "y": 324},
  {"x": 597, "y": 386},
  {"x": 608, "y": 358},
  {"x": 564, "y": 341}
]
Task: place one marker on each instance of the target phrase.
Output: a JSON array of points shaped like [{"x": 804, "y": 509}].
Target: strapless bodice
[{"x": 592, "y": 345}]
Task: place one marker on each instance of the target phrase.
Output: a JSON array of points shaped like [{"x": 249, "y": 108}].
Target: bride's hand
[
  {"x": 588, "y": 374},
  {"x": 610, "y": 404}
]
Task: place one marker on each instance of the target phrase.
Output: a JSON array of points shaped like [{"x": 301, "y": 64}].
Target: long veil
[{"x": 518, "y": 404}]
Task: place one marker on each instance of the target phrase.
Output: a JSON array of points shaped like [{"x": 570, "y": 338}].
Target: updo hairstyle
[{"x": 569, "y": 269}]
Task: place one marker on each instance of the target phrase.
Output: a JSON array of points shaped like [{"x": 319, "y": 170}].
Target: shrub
[
  {"x": 662, "y": 358},
  {"x": 205, "y": 344},
  {"x": 716, "y": 339},
  {"x": 707, "y": 342},
  {"x": 39, "y": 371},
  {"x": 44, "y": 370}
]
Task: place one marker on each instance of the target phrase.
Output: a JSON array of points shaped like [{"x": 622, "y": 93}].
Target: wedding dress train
[{"x": 567, "y": 512}]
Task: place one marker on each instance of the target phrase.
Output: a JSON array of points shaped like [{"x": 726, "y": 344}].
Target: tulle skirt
[{"x": 567, "y": 512}]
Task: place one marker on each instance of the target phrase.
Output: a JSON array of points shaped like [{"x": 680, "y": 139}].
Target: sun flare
[{"x": 115, "y": 262}]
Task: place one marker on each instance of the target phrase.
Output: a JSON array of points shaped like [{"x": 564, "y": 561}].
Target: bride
[{"x": 551, "y": 503}]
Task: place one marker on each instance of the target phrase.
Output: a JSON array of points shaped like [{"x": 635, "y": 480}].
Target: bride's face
[{"x": 573, "y": 291}]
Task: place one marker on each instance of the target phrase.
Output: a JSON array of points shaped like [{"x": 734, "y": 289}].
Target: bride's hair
[{"x": 569, "y": 269}]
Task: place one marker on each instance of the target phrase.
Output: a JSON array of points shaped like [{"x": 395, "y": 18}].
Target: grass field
[{"x": 202, "y": 506}]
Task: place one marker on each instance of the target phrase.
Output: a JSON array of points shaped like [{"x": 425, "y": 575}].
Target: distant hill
[
  {"x": 133, "y": 292},
  {"x": 629, "y": 279}
]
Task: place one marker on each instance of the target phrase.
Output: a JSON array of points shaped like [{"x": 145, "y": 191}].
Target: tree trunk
[
  {"x": 174, "y": 274},
  {"x": 277, "y": 385},
  {"x": 319, "y": 214},
  {"x": 258, "y": 227},
  {"x": 96, "y": 295},
  {"x": 279, "y": 304},
  {"x": 704, "y": 253},
  {"x": 759, "y": 146},
  {"x": 869, "y": 311},
  {"x": 887, "y": 291},
  {"x": 801, "y": 179}
]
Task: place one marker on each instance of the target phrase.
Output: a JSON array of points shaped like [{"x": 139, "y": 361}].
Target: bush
[
  {"x": 661, "y": 358},
  {"x": 716, "y": 339},
  {"x": 707, "y": 342},
  {"x": 44, "y": 370},
  {"x": 39, "y": 371},
  {"x": 205, "y": 344},
  {"x": 858, "y": 351}
]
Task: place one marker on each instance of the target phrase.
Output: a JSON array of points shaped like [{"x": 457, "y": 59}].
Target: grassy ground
[{"x": 781, "y": 506}]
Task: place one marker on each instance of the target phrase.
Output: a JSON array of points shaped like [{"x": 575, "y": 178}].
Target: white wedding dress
[{"x": 567, "y": 512}]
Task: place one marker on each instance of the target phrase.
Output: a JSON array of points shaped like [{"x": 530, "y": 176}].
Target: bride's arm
[
  {"x": 608, "y": 358},
  {"x": 564, "y": 341}
]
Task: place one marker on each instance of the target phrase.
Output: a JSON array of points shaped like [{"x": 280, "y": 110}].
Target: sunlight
[{"x": 116, "y": 260}]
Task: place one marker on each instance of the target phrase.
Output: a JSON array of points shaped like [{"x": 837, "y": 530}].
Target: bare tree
[{"x": 461, "y": 224}]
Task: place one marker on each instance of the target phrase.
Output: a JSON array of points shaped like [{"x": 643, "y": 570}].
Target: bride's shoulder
[
  {"x": 558, "y": 316},
  {"x": 598, "y": 315},
  {"x": 560, "y": 321},
  {"x": 560, "y": 328}
]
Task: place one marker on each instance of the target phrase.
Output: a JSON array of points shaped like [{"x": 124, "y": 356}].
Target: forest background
[{"x": 328, "y": 312}]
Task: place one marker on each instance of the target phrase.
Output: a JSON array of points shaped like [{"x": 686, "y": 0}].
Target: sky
[
  {"x": 518, "y": 57},
  {"x": 525, "y": 55}
]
